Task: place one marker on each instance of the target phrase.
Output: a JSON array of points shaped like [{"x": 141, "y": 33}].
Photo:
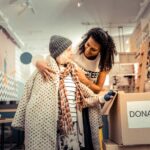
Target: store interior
[{"x": 25, "y": 30}]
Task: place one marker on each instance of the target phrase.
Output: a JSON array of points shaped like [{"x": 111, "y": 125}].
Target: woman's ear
[
  {"x": 63, "y": 58},
  {"x": 58, "y": 59}
]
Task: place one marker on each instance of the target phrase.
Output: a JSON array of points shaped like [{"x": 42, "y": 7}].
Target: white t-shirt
[{"x": 90, "y": 67}]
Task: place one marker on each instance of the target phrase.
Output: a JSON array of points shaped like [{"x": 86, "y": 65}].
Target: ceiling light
[
  {"x": 79, "y": 4},
  {"x": 127, "y": 41}
]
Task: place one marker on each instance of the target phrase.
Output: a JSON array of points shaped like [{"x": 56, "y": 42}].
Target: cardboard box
[
  {"x": 130, "y": 119},
  {"x": 109, "y": 145}
]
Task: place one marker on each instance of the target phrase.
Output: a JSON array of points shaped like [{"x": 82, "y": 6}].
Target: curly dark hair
[{"x": 108, "y": 48}]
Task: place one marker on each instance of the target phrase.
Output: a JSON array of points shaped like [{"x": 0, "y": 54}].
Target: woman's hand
[
  {"x": 45, "y": 70},
  {"x": 81, "y": 76}
]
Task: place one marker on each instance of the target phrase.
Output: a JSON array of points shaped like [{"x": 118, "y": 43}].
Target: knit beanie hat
[{"x": 58, "y": 44}]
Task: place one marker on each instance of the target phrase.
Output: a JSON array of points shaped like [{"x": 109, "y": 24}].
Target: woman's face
[
  {"x": 65, "y": 57},
  {"x": 92, "y": 48}
]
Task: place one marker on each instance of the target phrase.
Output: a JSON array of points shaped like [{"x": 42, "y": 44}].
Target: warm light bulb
[
  {"x": 127, "y": 41},
  {"x": 79, "y": 4}
]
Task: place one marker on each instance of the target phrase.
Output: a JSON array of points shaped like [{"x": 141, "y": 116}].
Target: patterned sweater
[{"x": 37, "y": 112}]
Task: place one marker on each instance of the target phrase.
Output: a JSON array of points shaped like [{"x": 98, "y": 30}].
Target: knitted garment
[
  {"x": 66, "y": 124},
  {"x": 58, "y": 45},
  {"x": 37, "y": 112}
]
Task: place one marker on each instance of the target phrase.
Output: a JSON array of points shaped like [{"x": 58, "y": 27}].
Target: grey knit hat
[{"x": 58, "y": 44}]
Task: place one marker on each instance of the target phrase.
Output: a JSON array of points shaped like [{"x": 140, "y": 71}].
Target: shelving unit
[
  {"x": 122, "y": 77},
  {"x": 143, "y": 60},
  {"x": 141, "y": 32},
  {"x": 127, "y": 57},
  {"x": 140, "y": 42}
]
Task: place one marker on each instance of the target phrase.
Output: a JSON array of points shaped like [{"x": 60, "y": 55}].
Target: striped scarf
[{"x": 65, "y": 119}]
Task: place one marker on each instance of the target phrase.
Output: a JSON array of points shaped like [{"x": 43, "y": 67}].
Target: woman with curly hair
[{"x": 95, "y": 57}]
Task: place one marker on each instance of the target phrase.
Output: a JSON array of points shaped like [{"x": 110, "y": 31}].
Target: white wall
[
  {"x": 7, "y": 54},
  {"x": 119, "y": 43}
]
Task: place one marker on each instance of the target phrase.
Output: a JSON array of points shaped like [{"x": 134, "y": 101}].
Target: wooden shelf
[
  {"x": 142, "y": 70},
  {"x": 140, "y": 33},
  {"x": 127, "y": 57},
  {"x": 8, "y": 110},
  {"x": 123, "y": 74},
  {"x": 6, "y": 120}
]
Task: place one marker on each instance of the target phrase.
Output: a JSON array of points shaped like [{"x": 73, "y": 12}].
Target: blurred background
[{"x": 26, "y": 27}]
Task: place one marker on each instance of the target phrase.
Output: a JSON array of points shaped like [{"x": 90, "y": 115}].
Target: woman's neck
[{"x": 90, "y": 58}]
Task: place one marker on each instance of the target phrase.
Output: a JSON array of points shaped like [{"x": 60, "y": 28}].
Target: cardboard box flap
[{"x": 107, "y": 106}]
